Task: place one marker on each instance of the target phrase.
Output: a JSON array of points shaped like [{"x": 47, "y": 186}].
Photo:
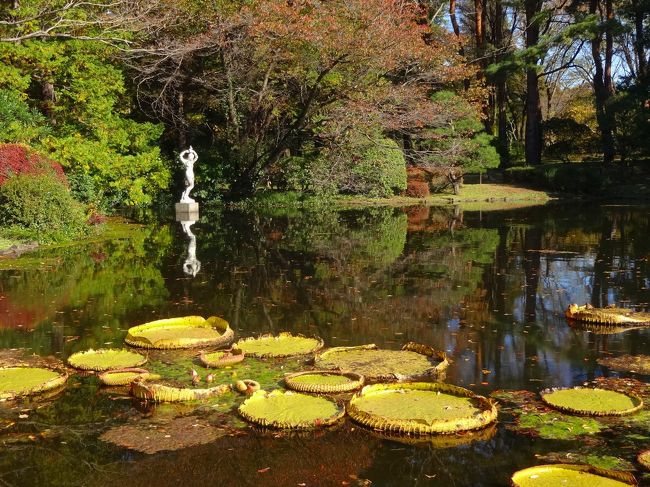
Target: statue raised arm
[{"x": 188, "y": 158}]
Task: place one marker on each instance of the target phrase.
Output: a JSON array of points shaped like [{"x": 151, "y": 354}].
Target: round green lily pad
[
  {"x": 283, "y": 345},
  {"x": 159, "y": 392},
  {"x": 644, "y": 459},
  {"x": 23, "y": 381},
  {"x": 292, "y": 410},
  {"x": 414, "y": 361},
  {"x": 570, "y": 476},
  {"x": 106, "y": 359},
  {"x": 324, "y": 381},
  {"x": 183, "y": 332},
  {"x": 592, "y": 401},
  {"x": 222, "y": 358},
  {"x": 421, "y": 408},
  {"x": 122, "y": 377}
]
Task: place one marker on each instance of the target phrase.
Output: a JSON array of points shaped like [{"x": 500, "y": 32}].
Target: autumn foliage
[{"x": 18, "y": 159}]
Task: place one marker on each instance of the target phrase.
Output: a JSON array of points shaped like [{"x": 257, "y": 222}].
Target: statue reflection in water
[{"x": 192, "y": 265}]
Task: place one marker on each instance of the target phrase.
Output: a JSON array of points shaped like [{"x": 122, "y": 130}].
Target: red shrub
[
  {"x": 20, "y": 159},
  {"x": 417, "y": 189}
]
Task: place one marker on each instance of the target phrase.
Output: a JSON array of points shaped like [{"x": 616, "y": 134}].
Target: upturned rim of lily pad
[
  {"x": 416, "y": 426},
  {"x": 355, "y": 381},
  {"x": 520, "y": 477},
  {"x": 316, "y": 344},
  {"x": 160, "y": 392},
  {"x": 136, "y": 335},
  {"x": 546, "y": 396},
  {"x": 610, "y": 315},
  {"x": 112, "y": 377},
  {"x": 53, "y": 382},
  {"x": 644, "y": 459},
  {"x": 92, "y": 359},
  {"x": 222, "y": 358},
  {"x": 602, "y": 329},
  {"x": 419, "y": 348},
  {"x": 246, "y": 410}
]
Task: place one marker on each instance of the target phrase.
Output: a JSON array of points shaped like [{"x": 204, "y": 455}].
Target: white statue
[
  {"x": 188, "y": 158},
  {"x": 192, "y": 265}
]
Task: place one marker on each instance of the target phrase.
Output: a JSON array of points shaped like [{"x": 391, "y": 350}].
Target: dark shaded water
[{"x": 489, "y": 288}]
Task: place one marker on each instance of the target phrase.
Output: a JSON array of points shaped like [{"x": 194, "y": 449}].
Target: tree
[{"x": 258, "y": 82}]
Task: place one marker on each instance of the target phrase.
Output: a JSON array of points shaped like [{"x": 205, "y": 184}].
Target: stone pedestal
[{"x": 187, "y": 212}]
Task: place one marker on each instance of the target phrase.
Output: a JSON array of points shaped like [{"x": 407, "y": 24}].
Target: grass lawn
[{"x": 480, "y": 195}]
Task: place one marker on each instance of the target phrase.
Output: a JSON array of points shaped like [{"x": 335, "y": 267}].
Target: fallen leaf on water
[{"x": 264, "y": 470}]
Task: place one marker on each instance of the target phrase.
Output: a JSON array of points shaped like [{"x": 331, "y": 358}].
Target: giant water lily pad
[
  {"x": 570, "y": 476},
  {"x": 184, "y": 332},
  {"x": 23, "y": 381},
  {"x": 160, "y": 392},
  {"x": 610, "y": 315},
  {"x": 600, "y": 329},
  {"x": 122, "y": 377},
  {"x": 283, "y": 345},
  {"x": 106, "y": 359},
  {"x": 639, "y": 364},
  {"x": 173, "y": 435},
  {"x": 222, "y": 358},
  {"x": 592, "y": 401},
  {"x": 644, "y": 459},
  {"x": 414, "y": 361},
  {"x": 293, "y": 410},
  {"x": 324, "y": 381},
  {"x": 421, "y": 408}
]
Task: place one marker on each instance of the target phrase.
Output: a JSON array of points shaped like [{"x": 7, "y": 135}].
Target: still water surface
[{"x": 489, "y": 288}]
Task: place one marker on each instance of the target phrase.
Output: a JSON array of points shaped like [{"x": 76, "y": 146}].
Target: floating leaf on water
[
  {"x": 158, "y": 392},
  {"x": 414, "y": 361},
  {"x": 557, "y": 426},
  {"x": 324, "y": 381},
  {"x": 628, "y": 363},
  {"x": 440, "y": 441},
  {"x": 23, "y": 381},
  {"x": 222, "y": 358},
  {"x": 606, "y": 316},
  {"x": 183, "y": 332},
  {"x": 570, "y": 476},
  {"x": 421, "y": 408},
  {"x": 592, "y": 401},
  {"x": 106, "y": 359},
  {"x": 644, "y": 459},
  {"x": 293, "y": 410},
  {"x": 283, "y": 345},
  {"x": 122, "y": 377},
  {"x": 174, "y": 435}
]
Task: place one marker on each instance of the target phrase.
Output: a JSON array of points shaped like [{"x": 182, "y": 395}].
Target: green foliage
[
  {"x": 564, "y": 137},
  {"x": 575, "y": 178},
  {"x": 41, "y": 207},
  {"x": 380, "y": 169},
  {"x": 112, "y": 159},
  {"x": 19, "y": 123},
  {"x": 559, "y": 426}
]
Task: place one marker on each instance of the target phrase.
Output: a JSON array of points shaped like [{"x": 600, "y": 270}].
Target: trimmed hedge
[{"x": 40, "y": 207}]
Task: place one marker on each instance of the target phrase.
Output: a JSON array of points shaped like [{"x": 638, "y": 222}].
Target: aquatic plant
[
  {"x": 571, "y": 476},
  {"x": 557, "y": 426},
  {"x": 222, "y": 358},
  {"x": 324, "y": 381},
  {"x": 152, "y": 438},
  {"x": 592, "y": 401},
  {"x": 293, "y": 410},
  {"x": 106, "y": 359},
  {"x": 283, "y": 345},
  {"x": 421, "y": 408},
  {"x": 122, "y": 377},
  {"x": 23, "y": 381},
  {"x": 607, "y": 316},
  {"x": 183, "y": 332},
  {"x": 161, "y": 392},
  {"x": 414, "y": 361}
]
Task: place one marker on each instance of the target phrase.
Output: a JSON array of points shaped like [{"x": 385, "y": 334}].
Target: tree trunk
[
  {"x": 500, "y": 85},
  {"x": 48, "y": 96},
  {"x": 603, "y": 88},
  {"x": 533, "y": 143}
]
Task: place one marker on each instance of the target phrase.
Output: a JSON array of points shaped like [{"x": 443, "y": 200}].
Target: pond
[{"x": 489, "y": 288}]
